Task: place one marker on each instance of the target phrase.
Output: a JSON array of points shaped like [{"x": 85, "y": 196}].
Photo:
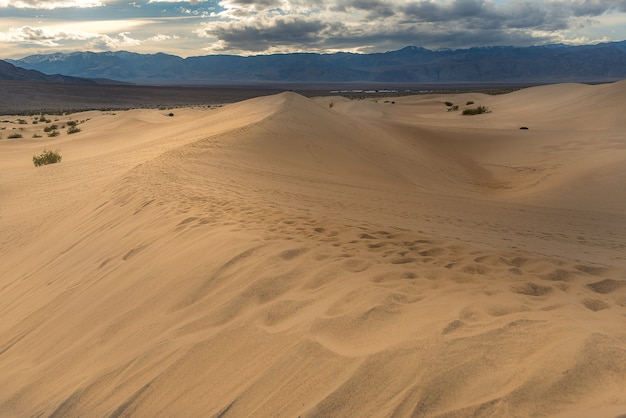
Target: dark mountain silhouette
[
  {"x": 11, "y": 72},
  {"x": 551, "y": 63}
]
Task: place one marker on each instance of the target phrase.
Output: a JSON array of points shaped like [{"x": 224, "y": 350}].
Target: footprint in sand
[
  {"x": 595, "y": 304},
  {"x": 532, "y": 289},
  {"x": 607, "y": 286},
  {"x": 558, "y": 275},
  {"x": 293, "y": 253},
  {"x": 452, "y": 326},
  {"x": 356, "y": 265}
]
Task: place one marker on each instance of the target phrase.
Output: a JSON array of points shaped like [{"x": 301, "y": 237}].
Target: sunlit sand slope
[{"x": 287, "y": 257}]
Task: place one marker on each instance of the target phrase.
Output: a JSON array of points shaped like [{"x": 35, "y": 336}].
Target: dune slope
[{"x": 282, "y": 257}]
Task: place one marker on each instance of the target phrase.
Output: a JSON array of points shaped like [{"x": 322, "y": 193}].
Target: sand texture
[{"x": 285, "y": 256}]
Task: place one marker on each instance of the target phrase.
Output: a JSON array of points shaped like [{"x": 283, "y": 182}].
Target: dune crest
[{"x": 284, "y": 257}]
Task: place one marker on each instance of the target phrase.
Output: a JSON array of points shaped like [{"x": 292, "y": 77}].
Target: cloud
[
  {"x": 50, "y": 5},
  {"x": 178, "y": 1},
  {"x": 361, "y": 25},
  {"x": 265, "y": 33},
  {"x": 45, "y": 36},
  {"x": 106, "y": 42},
  {"x": 160, "y": 38},
  {"x": 40, "y": 36}
]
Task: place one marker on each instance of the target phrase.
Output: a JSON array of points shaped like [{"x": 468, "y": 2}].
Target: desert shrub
[
  {"x": 471, "y": 102},
  {"x": 475, "y": 110},
  {"x": 52, "y": 134},
  {"x": 15, "y": 136},
  {"x": 449, "y": 104},
  {"x": 524, "y": 127},
  {"x": 72, "y": 129},
  {"x": 50, "y": 128},
  {"x": 47, "y": 157},
  {"x": 171, "y": 114},
  {"x": 36, "y": 136},
  {"x": 22, "y": 122}
]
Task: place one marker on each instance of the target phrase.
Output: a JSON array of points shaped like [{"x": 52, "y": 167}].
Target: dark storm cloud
[
  {"x": 374, "y": 8},
  {"x": 264, "y": 34}
]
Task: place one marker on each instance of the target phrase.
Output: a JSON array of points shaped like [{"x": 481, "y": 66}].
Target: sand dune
[{"x": 284, "y": 257}]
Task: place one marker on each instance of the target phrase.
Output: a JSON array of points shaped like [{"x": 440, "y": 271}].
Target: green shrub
[
  {"x": 48, "y": 157},
  {"x": 72, "y": 130},
  {"x": 475, "y": 110}
]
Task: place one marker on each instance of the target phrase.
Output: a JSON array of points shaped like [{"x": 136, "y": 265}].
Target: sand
[{"x": 283, "y": 256}]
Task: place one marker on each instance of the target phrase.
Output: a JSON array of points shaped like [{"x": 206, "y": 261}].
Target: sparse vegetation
[
  {"x": 15, "y": 136},
  {"x": 72, "y": 130},
  {"x": 475, "y": 110},
  {"x": 47, "y": 157},
  {"x": 50, "y": 128},
  {"x": 52, "y": 134},
  {"x": 449, "y": 104}
]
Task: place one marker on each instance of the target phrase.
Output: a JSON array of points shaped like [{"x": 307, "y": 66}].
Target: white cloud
[
  {"x": 46, "y": 36},
  {"x": 41, "y": 36},
  {"x": 50, "y": 5},
  {"x": 160, "y": 38}
]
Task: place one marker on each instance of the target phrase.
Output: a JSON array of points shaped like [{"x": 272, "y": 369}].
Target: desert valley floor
[{"x": 285, "y": 256}]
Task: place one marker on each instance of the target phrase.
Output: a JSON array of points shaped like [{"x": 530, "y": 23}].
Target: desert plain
[{"x": 286, "y": 256}]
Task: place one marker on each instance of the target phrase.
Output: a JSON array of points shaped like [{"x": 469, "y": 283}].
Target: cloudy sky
[{"x": 246, "y": 27}]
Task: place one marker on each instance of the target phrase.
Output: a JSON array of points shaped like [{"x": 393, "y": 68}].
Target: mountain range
[
  {"x": 12, "y": 72},
  {"x": 536, "y": 64}
]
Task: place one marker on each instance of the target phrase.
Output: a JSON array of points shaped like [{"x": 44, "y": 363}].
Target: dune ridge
[{"x": 284, "y": 257}]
